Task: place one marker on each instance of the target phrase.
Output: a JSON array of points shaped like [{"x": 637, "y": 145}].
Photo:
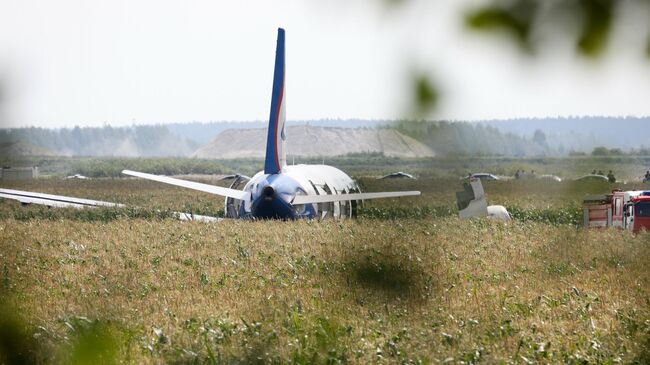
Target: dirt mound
[{"x": 311, "y": 141}]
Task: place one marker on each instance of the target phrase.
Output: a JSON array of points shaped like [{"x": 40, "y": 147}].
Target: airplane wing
[
  {"x": 312, "y": 199},
  {"x": 28, "y": 197},
  {"x": 59, "y": 201},
  {"x": 212, "y": 189}
]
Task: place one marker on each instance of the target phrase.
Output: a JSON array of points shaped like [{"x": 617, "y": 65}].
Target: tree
[{"x": 539, "y": 137}]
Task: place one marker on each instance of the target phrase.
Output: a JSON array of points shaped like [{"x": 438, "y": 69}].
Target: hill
[
  {"x": 203, "y": 133},
  {"x": 310, "y": 141}
]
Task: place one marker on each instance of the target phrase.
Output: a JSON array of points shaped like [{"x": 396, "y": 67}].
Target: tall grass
[{"x": 408, "y": 291}]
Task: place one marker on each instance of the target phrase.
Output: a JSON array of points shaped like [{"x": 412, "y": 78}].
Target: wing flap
[
  {"x": 313, "y": 199},
  {"x": 212, "y": 189}
]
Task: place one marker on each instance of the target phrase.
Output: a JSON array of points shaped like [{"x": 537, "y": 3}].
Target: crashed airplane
[{"x": 277, "y": 192}]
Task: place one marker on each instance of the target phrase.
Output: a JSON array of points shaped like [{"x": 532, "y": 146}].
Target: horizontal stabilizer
[
  {"x": 59, "y": 201},
  {"x": 313, "y": 199},
  {"x": 212, "y": 189}
]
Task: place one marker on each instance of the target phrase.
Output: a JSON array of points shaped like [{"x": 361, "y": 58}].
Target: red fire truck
[{"x": 621, "y": 209}]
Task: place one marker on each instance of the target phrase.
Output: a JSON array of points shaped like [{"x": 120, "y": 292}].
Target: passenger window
[{"x": 617, "y": 206}]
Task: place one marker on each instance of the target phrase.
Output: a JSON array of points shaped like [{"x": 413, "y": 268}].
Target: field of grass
[
  {"x": 359, "y": 291},
  {"x": 407, "y": 282},
  {"x": 626, "y": 168}
]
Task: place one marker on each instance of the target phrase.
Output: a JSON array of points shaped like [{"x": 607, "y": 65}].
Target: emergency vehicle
[{"x": 622, "y": 209}]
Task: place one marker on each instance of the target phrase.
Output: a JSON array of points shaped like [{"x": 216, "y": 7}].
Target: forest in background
[
  {"x": 582, "y": 134},
  {"x": 517, "y": 137},
  {"x": 135, "y": 141}
]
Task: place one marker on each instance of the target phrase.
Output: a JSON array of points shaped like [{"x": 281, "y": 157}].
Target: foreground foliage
[{"x": 429, "y": 290}]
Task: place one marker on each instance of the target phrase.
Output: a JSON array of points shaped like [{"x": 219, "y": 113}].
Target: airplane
[{"x": 279, "y": 191}]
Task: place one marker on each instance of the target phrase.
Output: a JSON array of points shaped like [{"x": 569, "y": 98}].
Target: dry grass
[{"x": 360, "y": 291}]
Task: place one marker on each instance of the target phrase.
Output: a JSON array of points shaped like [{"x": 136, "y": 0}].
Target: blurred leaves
[
  {"x": 425, "y": 95},
  {"x": 394, "y": 2},
  {"x": 597, "y": 20},
  {"x": 89, "y": 342},
  {"x": 514, "y": 19},
  {"x": 16, "y": 346},
  {"x": 521, "y": 18},
  {"x": 93, "y": 342}
]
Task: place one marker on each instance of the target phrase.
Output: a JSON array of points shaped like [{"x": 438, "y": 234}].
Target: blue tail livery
[{"x": 275, "y": 159}]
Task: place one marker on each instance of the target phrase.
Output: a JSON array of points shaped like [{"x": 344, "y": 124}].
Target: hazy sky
[{"x": 88, "y": 62}]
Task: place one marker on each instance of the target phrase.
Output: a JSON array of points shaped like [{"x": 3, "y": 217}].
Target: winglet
[{"x": 275, "y": 140}]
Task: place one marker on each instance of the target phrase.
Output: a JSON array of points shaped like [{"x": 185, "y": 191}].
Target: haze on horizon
[{"x": 89, "y": 63}]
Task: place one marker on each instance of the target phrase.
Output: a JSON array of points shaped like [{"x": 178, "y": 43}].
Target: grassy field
[
  {"x": 363, "y": 291},
  {"x": 626, "y": 168},
  {"x": 405, "y": 283}
]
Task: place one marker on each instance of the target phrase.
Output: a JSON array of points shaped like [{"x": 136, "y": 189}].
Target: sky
[{"x": 92, "y": 62}]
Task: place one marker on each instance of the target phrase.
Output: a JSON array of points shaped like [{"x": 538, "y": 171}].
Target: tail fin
[
  {"x": 275, "y": 140},
  {"x": 471, "y": 201}
]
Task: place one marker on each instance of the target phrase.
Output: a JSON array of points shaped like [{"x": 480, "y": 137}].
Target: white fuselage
[{"x": 298, "y": 180}]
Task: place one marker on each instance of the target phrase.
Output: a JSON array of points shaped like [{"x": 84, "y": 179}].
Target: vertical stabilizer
[
  {"x": 275, "y": 140},
  {"x": 471, "y": 201}
]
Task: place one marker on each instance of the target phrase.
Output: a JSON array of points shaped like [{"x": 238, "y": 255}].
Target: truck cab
[
  {"x": 620, "y": 209},
  {"x": 637, "y": 214}
]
